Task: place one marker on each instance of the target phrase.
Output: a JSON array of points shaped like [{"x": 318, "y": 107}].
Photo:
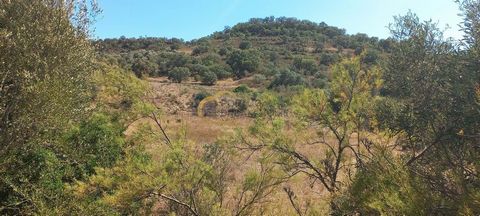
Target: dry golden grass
[{"x": 204, "y": 130}]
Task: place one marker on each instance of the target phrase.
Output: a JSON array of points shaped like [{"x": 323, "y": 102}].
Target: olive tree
[
  {"x": 430, "y": 87},
  {"x": 45, "y": 63},
  {"x": 243, "y": 61},
  {"x": 179, "y": 74}
]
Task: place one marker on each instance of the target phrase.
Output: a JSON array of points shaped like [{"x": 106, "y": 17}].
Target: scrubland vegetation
[{"x": 275, "y": 116}]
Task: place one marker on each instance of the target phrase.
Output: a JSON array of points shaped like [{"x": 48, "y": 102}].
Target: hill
[
  {"x": 275, "y": 51},
  {"x": 268, "y": 117}
]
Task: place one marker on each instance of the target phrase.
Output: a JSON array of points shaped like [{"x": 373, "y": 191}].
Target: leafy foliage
[
  {"x": 385, "y": 187},
  {"x": 179, "y": 74},
  {"x": 243, "y": 62},
  {"x": 97, "y": 142},
  {"x": 393, "y": 130},
  {"x": 209, "y": 78},
  {"x": 434, "y": 108},
  {"x": 286, "y": 78},
  {"x": 250, "y": 48}
]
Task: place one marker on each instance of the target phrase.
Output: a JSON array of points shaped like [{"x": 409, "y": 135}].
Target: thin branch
[
  {"x": 173, "y": 199},
  {"x": 159, "y": 124},
  {"x": 419, "y": 155},
  {"x": 291, "y": 197}
]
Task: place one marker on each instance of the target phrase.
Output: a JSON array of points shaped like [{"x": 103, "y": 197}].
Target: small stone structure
[
  {"x": 209, "y": 108},
  {"x": 220, "y": 104}
]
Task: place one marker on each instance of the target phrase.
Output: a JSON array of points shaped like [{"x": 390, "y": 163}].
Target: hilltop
[{"x": 275, "y": 52}]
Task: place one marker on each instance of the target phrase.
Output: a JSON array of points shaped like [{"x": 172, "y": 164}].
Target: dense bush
[
  {"x": 201, "y": 49},
  {"x": 306, "y": 66},
  {"x": 328, "y": 58},
  {"x": 222, "y": 72},
  {"x": 179, "y": 74},
  {"x": 370, "y": 57},
  {"x": 286, "y": 78},
  {"x": 97, "y": 142},
  {"x": 243, "y": 62},
  {"x": 383, "y": 187},
  {"x": 208, "y": 78},
  {"x": 198, "y": 69},
  {"x": 245, "y": 45},
  {"x": 223, "y": 51},
  {"x": 143, "y": 67},
  {"x": 211, "y": 59},
  {"x": 319, "y": 83}
]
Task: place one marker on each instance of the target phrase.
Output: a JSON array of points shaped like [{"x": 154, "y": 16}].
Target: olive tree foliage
[
  {"x": 286, "y": 78},
  {"x": 338, "y": 116},
  {"x": 45, "y": 63},
  {"x": 243, "y": 62},
  {"x": 179, "y": 74},
  {"x": 209, "y": 78},
  {"x": 431, "y": 103},
  {"x": 36, "y": 179},
  {"x": 470, "y": 25}
]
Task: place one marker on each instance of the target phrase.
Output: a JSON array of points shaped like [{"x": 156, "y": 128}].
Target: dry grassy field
[{"x": 178, "y": 115}]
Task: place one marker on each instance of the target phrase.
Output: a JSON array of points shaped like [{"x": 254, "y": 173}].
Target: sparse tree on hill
[
  {"x": 245, "y": 45},
  {"x": 243, "y": 61},
  {"x": 179, "y": 74},
  {"x": 208, "y": 78}
]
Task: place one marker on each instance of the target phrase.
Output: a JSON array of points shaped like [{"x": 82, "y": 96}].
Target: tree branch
[{"x": 173, "y": 199}]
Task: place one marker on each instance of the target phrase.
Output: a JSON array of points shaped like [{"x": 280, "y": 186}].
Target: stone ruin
[{"x": 220, "y": 105}]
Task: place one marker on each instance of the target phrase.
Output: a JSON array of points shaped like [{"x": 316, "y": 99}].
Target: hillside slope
[{"x": 265, "y": 48}]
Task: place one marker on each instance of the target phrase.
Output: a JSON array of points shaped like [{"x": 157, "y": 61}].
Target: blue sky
[{"x": 191, "y": 19}]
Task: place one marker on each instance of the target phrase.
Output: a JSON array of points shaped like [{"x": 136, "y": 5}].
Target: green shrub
[
  {"x": 208, "y": 78},
  {"x": 370, "y": 56},
  {"x": 97, "y": 142},
  {"x": 329, "y": 58},
  {"x": 223, "y": 51},
  {"x": 200, "y": 49},
  {"x": 306, "y": 66},
  {"x": 220, "y": 71},
  {"x": 245, "y": 45},
  {"x": 287, "y": 78},
  {"x": 179, "y": 74},
  {"x": 384, "y": 187},
  {"x": 198, "y": 69},
  {"x": 320, "y": 83},
  {"x": 243, "y": 61}
]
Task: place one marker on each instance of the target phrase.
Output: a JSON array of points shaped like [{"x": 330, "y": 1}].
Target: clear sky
[{"x": 191, "y": 19}]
